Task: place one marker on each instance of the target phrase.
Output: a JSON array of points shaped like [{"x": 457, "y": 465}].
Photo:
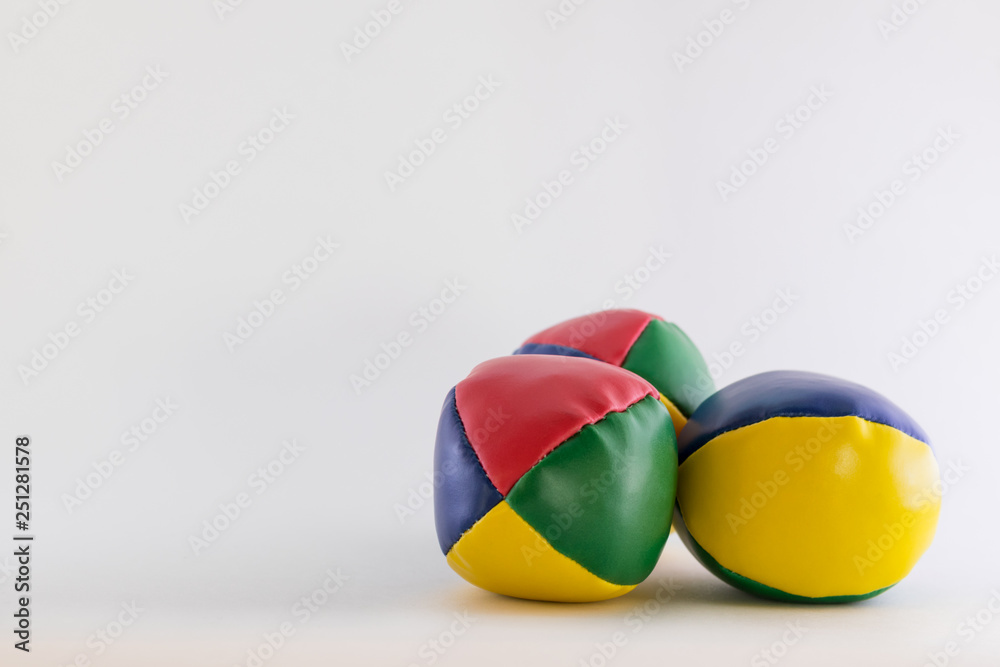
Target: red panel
[
  {"x": 606, "y": 335},
  {"x": 517, "y": 409}
]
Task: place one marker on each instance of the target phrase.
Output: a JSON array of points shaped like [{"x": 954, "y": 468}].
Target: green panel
[
  {"x": 604, "y": 497},
  {"x": 749, "y": 585},
  {"x": 666, "y": 357}
]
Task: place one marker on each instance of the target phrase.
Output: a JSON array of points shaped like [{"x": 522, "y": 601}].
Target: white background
[{"x": 366, "y": 454}]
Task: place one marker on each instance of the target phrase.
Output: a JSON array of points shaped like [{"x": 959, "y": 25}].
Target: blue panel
[
  {"x": 463, "y": 493},
  {"x": 788, "y": 394},
  {"x": 558, "y": 350}
]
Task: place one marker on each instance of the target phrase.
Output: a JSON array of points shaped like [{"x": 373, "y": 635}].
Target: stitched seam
[
  {"x": 468, "y": 443},
  {"x": 476, "y": 523},
  {"x": 628, "y": 350},
  {"x": 588, "y": 355},
  {"x": 570, "y": 559},
  {"x": 465, "y": 439},
  {"x": 663, "y": 397},
  {"x": 804, "y": 598},
  {"x": 803, "y": 414},
  {"x": 625, "y": 360},
  {"x": 537, "y": 534},
  {"x": 628, "y": 347},
  {"x": 549, "y": 453}
]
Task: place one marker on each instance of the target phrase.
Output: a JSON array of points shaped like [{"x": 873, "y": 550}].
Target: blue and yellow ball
[{"x": 801, "y": 487}]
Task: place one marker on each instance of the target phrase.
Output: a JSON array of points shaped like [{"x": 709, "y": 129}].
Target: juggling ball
[
  {"x": 802, "y": 487},
  {"x": 555, "y": 478},
  {"x": 639, "y": 342}
]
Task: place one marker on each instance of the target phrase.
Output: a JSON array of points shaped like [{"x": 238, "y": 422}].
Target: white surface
[{"x": 323, "y": 175}]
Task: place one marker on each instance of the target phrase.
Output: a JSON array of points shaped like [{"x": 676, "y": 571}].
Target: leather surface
[
  {"x": 664, "y": 355},
  {"x": 463, "y": 494},
  {"x": 605, "y": 497},
  {"x": 517, "y": 409},
  {"x": 606, "y": 335},
  {"x": 749, "y": 585},
  {"x": 812, "y": 506},
  {"x": 503, "y": 554},
  {"x": 789, "y": 394}
]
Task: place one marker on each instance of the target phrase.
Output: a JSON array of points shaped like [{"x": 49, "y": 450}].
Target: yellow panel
[
  {"x": 813, "y": 506},
  {"x": 503, "y": 554},
  {"x": 675, "y": 415}
]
